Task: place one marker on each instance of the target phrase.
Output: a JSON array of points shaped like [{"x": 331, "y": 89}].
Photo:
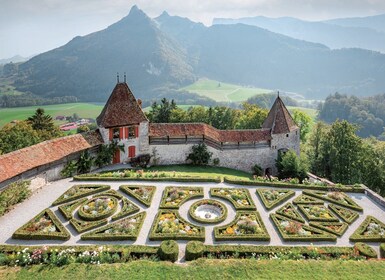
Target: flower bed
[
  {"x": 110, "y": 193},
  {"x": 240, "y": 198},
  {"x": 317, "y": 213},
  {"x": 213, "y": 206},
  {"x": 128, "y": 208},
  {"x": 306, "y": 199},
  {"x": 125, "y": 229},
  {"x": 44, "y": 225},
  {"x": 82, "y": 226},
  {"x": 98, "y": 208},
  {"x": 69, "y": 208},
  {"x": 169, "y": 225},
  {"x": 291, "y": 230},
  {"x": 337, "y": 228},
  {"x": 79, "y": 191},
  {"x": 337, "y": 198},
  {"x": 371, "y": 230},
  {"x": 142, "y": 193},
  {"x": 174, "y": 197},
  {"x": 346, "y": 215},
  {"x": 271, "y": 197},
  {"x": 288, "y": 210},
  {"x": 246, "y": 226}
]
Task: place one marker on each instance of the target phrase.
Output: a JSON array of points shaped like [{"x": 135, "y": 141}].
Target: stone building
[{"x": 123, "y": 120}]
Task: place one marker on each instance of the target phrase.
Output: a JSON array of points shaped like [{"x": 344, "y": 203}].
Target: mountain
[
  {"x": 14, "y": 59},
  {"x": 336, "y": 34},
  {"x": 86, "y": 66},
  {"x": 374, "y": 22},
  {"x": 163, "y": 54}
]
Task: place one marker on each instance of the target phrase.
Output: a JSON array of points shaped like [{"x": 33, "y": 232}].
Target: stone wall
[{"x": 290, "y": 141}]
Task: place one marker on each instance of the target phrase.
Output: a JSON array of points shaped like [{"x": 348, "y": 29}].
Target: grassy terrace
[{"x": 217, "y": 269}]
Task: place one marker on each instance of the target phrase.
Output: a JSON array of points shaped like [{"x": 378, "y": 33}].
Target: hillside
[{"x": 374, "y": 22}]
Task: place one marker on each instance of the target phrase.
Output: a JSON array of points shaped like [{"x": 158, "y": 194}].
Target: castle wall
[{"x": 290, "y": 141}]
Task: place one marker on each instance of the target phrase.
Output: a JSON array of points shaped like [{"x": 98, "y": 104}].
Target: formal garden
[{"x": 113, "y": 217}]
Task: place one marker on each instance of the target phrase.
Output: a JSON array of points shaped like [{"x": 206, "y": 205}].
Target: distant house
[
  {"x": 60, "y": 118},
  {"x": 68, "y": 126}
]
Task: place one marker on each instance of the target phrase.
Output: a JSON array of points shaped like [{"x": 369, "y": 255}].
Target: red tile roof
[
  {"x": 279, "y": 119},
  {"x": 200, "y": 129},
  {"x": 121, "y": 109},
  {"x": 17, "y": 162}
]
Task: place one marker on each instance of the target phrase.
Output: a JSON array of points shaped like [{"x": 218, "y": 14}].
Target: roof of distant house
[
  {"x": 17, "y": 162},
  {"x": 279, "y": 119},
  {"x": 121, "y": 109}
]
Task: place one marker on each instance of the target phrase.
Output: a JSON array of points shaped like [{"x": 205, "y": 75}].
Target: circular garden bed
[
  {"x": 98, "y": 208},
  {"x": 208, "y": 211}
]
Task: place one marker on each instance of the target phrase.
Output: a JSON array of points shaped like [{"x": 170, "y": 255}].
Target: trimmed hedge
[
  {"x": 227, "y": 232},
  {"x": 306, "y": 199},
  {"x": 264, "y": 193},
  {"x": 355, "y": 189},
  {"x": 90, "y": 217},
  {"x": 69, "y": 208},
  {"x": 317, "y": 235},
  {"x": 181, "y": 194},
  {"x": 79, "y": 191},
  {"x": 24, "y": 231},
  {"x": 361, "y": 233},
  {"x": 233, "y": 195},
  {"x": 107, "y": 232},
  {"x": 305, "y": 209},
  {"x": 350, "y": 203},
  {"x": 159, "y": 232},
  {"x": 382, "y": 250},
  {"x": 128, "y": 208},
  {"x": 216, "y": 203},
  {"x": 288, "y": 210},
  {"x": 110, "y": 193},
  {"x": 194, "y": 250},
  {"x": 158, "y": 179},
  {"x": 82, "y": 226},
  {"x": 365, "y": 250},
  {"x": 129, "y": 190},
  {"x": 337, "y": 228},
  {"x": 346, "y": 215},
  {"x": 169, "y": 250}
]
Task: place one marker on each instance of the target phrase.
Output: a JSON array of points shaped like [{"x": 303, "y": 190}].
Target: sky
[{"x": 30, "y": 27}]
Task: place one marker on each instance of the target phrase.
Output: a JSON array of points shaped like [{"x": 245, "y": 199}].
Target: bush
[
  {"x": 257, "y": 170},
  {"x": 69, "y": 169},
  {"x": 194, "y": 250},
  {"x": 141, "y": 161},
  {"x": 216, "y": 161},
  {"x": 365, "y": 250},
  {"x": 289, "y": 165},
  {"x": 85, "y": 162},
  {"x": 382, "y": 250},
  {"x": 169, "y": 250},
  {"x": 199, "y": 155},
  {"x": 13, "y": 194}
]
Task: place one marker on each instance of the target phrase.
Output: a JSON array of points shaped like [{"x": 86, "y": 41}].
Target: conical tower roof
[
  {"x": 279, "y": 119},
  {"x": 121, "y": 109}
]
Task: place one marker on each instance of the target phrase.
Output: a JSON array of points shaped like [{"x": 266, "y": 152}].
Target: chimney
[{"x": 139, "y": 103}]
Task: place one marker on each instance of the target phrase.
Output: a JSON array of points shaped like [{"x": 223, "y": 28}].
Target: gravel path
[{"x": 44, "y": 197}]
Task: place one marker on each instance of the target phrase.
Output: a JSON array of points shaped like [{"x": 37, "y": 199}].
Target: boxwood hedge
[
  {"x": 371, "y": 230},
  {"x": 345, "y": 201},
  {"x": 69, "y": 208},
  {"x": 239, "y": 197},
  {"x": 82, "y": 226},
  {"x": 169, "y": 250},
  {"x": 79, "y": 191},
  {"x": 215, "y": 203},
  {"x": 325, "y": 216},
  {"x": 382, "y": 250},
  {"x": 278, "y": 196},
  {"x": 365, "y": 250},
  {"x": 174, "y": 197},
  {"x": 142, "y": 193},
  {"x": 346, "y": 215},
  {"x": 337, "y": 228},
  {"x": 288, "y": 210}
]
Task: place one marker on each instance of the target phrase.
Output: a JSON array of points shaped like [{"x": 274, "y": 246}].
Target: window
[
  {"x": 131, "y": 132},
  {"x": 287, "y": 135},
  {"x": 116, "y": 133}
]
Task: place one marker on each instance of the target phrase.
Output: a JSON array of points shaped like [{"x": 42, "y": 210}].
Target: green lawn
[
  {"x": 311, "y": 112},
  {"x": 84, "y": 110},
  {"x": 204, "y": 269},
  {"x": 223, "y": 92}
]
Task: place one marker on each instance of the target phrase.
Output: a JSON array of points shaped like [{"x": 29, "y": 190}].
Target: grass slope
[
  {"x": 311, "y": 112},
  {"x": 201, "y": 269},
  {"x": 223, "y": 92}
]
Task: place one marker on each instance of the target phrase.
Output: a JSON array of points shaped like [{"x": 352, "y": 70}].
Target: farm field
[{"x": 311, "y": 112}]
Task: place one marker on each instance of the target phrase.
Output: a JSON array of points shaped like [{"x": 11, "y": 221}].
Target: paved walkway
[{"x": 44, "y": 197}]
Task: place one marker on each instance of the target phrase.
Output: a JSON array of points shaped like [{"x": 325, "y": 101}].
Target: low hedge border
[
  {"x": 216, "y": 203},
  {"x": 128, "y": 208},
  {"x": 323, "y": 226},
  {"x": 168, "y": 250},
  {"x": 62, "y": 233},
  {"x": 196, "y": 250},
  {"x": 68, "y": 209},
  {"x": 127, "y": 189},
  {"x": 339, "y": 211},
  {"x": 271, "y": 204},
  {"x": 161, "y": 179},
  {"x": 297, "y": 216},
  {"x": 354, "y": 189},
  {"x": 89, "y": 217},
  {"x": 82, "y": 226},
  {"x": 320, "y": 235},
  {"x": 216, "y": 192},
  {"x": 100, "y": 234},
  {"x": 113, "y": 193},
  {"x": 155, "y": 236},
  {"x": 323, "y": 195},
  {"x": 263, "y": 236},
  {"x": 365, "y": 250},
  {"x": 382, "y": 250},
  {"x": 306, "y": 199},
  {"x": 305, "y": 212},
  {"x": 358, "y": 236},
  {"x": 94, "y": 189},
  {"x": 166, "y": 193}
]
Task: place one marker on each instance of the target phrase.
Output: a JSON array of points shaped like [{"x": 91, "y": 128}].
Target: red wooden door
[
  {"x": 131, "y": 151},
  {"x": 116, "y": 158}
]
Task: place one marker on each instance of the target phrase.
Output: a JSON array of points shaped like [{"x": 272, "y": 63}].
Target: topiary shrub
[
  {"x": 194, "y": 250},
  {"x": 382, "y": 250},
  {"x": 168, "y": 250},
  {"x": 365, "y": 250},
  {"x": 257, "y": 170}
]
